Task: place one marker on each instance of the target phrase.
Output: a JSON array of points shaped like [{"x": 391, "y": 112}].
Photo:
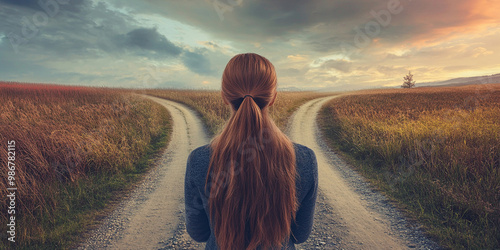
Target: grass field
[
  {"x": 75, "y": 147},
  {"x": 435, "y": 149},
  {"x": 214, "y": 113}
]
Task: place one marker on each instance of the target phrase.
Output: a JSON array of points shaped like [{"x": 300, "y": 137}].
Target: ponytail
[{"x": 251, "y": 175}]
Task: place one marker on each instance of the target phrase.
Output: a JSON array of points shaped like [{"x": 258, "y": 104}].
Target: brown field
[
  {"x": 214, "y": 113},
  {"x": 66, "y": 138},
  {"x": 75, "y": 146},
  {"x": 436, "y": 149}
]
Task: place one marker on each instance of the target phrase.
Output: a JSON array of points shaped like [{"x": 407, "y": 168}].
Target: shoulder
[
  {"x": 197, "y": 162},
  {"x": 305, "y": 161},
  {"x": 200, "y": 153},
  {"x": 304, "y": 155},
  {"x": 302, "y": 150}
]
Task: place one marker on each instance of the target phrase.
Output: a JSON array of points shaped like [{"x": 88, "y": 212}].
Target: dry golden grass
[
  {"x": 214, "y": 113},
  {"x": 75, "y": 145},
  {"x": 437, "y": 149},
  {"x": 64, "y": 135}
]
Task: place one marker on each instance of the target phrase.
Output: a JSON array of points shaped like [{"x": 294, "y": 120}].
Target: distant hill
[
  {"x": 463, "y": 81},
  {"x": 289, "y": 89}
]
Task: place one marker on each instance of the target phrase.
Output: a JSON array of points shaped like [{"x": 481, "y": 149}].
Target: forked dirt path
[{"x": 349, "y": 215}]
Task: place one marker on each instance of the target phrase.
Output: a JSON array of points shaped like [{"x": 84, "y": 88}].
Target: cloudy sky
[{"x": 314, "y": 44}]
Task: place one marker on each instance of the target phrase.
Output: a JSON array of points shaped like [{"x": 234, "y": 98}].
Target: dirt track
[
  {"x": 349, "y": 214},
  {"x": 364, "y": 226},
  {"x": 152, "y": 214}
]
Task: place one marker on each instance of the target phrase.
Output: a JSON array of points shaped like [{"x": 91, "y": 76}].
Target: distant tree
[{"x": 409, "y": 82}]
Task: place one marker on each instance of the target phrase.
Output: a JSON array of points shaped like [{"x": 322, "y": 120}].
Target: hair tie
[{"x": 246, "y": 96}]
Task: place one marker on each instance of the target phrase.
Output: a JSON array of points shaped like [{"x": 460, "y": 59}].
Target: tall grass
[
  {"x": 435, "y": 149},
  {"x": 75, "y": 148},
  {"x": 214, "y": 112}
]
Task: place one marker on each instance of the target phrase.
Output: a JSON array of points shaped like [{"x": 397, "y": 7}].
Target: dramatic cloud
[
  {"x": 314, "y": 44},
  {"x": 48, "y": 6},
  {"x": 197, "y": 63},
  {"x": 151, "y": 40}
]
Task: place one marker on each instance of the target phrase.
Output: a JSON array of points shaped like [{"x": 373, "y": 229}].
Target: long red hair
[{"x": 252, "y": 173}]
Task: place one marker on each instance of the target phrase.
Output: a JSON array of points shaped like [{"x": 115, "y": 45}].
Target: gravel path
[
  {"x": 153, "y": 212},
  {"x": 349, "y": 214}
]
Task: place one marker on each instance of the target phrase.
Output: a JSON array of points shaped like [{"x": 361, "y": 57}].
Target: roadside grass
[
  {"x": 77, "y": 150},
  {"x": 215, "y": 113},
  {"x": 435, "y": 150}
]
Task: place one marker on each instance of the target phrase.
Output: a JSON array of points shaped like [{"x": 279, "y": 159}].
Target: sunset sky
[{"x": 330, "y": 45}]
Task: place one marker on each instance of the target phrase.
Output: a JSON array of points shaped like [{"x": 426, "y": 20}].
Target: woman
[{"x": 251, "y": 187}]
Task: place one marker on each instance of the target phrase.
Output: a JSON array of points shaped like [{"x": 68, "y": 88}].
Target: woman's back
[
  {"x": 197, "y": 215},
  {"x": 243, "y": 190}
]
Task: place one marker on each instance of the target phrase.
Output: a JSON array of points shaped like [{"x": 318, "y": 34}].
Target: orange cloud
[
  {"x": 297, "y": 58},
  {"x": 437, "y": 21}
]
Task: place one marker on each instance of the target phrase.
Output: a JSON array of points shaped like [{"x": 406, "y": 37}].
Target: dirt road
[
  {"x": 153, "y": 213},
  {"x": 348, "y": 215},
  {"x": 360, "y": 218}
]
